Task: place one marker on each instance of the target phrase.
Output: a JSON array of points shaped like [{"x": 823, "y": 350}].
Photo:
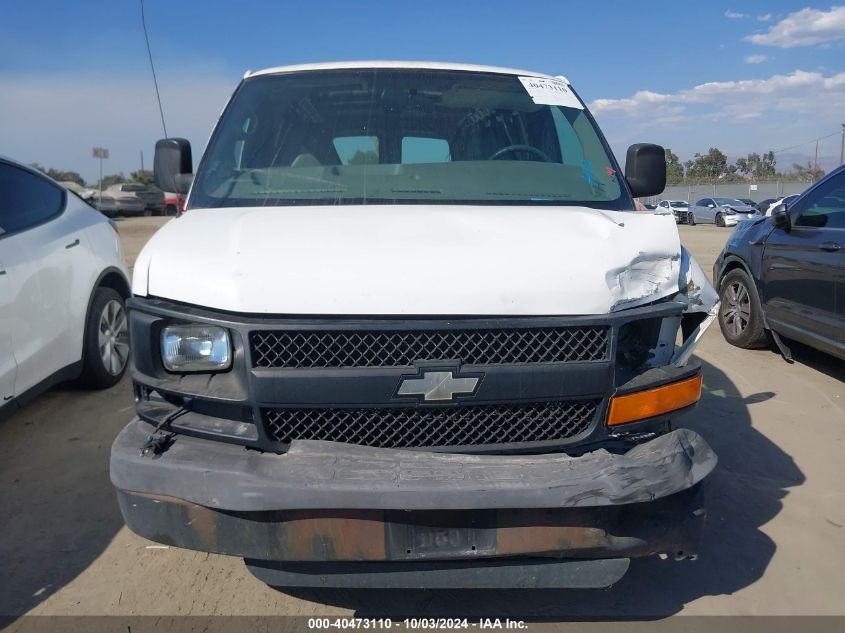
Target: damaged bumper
[{"x": 335, "y": 514}]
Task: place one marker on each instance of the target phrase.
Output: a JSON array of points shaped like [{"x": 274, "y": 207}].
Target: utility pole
[
  {"x": 816, "y": 159},
  {"x": 101, "y": 153},
  {"x": 142, "y": 160},
  {"x": 842, "y": 147}
]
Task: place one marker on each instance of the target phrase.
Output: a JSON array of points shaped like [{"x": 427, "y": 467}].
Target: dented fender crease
[
  {"x": 648, "y": 277},
  {"x": 694, "y": 284}
]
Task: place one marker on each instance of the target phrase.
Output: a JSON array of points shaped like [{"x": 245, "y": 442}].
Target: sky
[{"x": 743, "y": 76}]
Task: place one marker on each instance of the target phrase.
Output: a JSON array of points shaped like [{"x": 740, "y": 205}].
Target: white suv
[{"x": 63, "y": 284}]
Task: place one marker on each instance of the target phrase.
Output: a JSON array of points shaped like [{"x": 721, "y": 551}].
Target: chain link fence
[{"x": 756, "y": 191}]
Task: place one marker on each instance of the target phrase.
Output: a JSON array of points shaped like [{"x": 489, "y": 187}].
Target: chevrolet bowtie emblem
[{"x": 436, "y": 385}]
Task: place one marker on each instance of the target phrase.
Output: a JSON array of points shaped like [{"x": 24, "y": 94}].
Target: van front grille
[
  {"x": 409, "y": 427},
  {"x": 402, "y": 348}
]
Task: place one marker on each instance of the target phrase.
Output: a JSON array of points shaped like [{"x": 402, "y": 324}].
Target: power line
[
  {"x": 815, "y": 140},
  {"x": 152, "y": 67}
]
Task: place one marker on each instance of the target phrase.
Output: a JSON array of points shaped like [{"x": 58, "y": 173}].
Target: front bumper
[{"x": 323, "y": 505}]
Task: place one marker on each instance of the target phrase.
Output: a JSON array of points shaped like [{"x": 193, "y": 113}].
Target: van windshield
[{"x": 404, "y": 136}]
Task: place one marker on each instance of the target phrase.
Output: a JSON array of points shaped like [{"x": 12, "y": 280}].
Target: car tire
[
  {"x": 690, "y": 218},
  {"x": 741, "y": 315},
  {"x": 720, "y": 219},
  {"x": 105, "y": 352}
]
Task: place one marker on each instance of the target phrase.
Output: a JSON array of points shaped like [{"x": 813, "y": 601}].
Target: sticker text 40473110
[{"x": 550, "y": 92}]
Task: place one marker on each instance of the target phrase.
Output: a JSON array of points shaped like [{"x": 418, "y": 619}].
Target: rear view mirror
[
  {"x": 780, "y": 217},
  {"x": 645, "y": 169},
  {"x": 173, "y": 165}
]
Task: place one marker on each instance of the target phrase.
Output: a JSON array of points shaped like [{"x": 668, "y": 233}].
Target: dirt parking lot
[{"x": 774, "y": 544}]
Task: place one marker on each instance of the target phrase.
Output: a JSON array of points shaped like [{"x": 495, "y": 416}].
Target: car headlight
[{"x": 195, "y": 348}]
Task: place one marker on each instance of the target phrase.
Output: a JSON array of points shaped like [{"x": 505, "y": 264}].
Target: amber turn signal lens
[{"x": 646, "y": 404}]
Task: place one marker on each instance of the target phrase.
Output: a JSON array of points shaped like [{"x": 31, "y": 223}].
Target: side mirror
[
  {"x": 173, "y": 165},
  {"x": 780, "y": 217},
  {"x": 645, "y": 169}
]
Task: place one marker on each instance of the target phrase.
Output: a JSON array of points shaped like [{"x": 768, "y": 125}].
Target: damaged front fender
[
  {"x": 702, "y": 301},
  {"x": 699, "y": 293},
  {"x": 649, "y": 275}
]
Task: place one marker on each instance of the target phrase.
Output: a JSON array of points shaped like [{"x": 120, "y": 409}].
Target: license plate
[{"x": 428, "y": 535}]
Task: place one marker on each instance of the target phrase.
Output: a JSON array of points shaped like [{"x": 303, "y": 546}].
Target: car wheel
[
  {"x": 741, "y": 315},
  {"x": 106, "y": 345},
  {"x": 170, "y": 210},
  {"x": 720, "y": 219},
  {"x": 690, "y": 219}
]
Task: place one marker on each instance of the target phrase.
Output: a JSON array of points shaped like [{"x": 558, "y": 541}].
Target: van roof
[{"x": 397, "y": 64}]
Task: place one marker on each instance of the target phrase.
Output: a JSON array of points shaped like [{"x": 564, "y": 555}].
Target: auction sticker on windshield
[{"x": 550, "y": 92}]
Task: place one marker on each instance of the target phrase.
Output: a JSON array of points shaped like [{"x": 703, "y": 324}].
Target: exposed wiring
[
  {"x": 152, "y": 67},
  {"x": 159, "y": 444}
]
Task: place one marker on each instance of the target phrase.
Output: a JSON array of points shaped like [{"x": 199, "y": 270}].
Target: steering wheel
[{"x": 520, "y": 148}]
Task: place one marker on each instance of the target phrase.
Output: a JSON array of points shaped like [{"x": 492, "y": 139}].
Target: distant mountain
[{"x": 786, "y": 160}]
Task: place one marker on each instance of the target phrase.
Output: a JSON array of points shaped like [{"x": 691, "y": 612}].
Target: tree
[
  {"x": 144, "y": 176},
  {"x": 711, "y": 166},
  {"x": 59, "y": 175},
  {"x": 808, "y": 173},
  {"x": 674, "y": 170},
  {"x": 113, "y": 179},
  {"x": 758, "y": 167}
]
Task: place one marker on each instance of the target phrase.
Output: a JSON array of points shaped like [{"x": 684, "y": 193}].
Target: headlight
[{"x": 193, "y": 348}]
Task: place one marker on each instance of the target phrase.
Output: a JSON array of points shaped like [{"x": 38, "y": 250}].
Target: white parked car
[
  {"x": 86, "y": 193},
  {"x": 678, "y": 208},
  {"x": 113, "y": 201},
  {"x": 787, "y": 200},
  {"x": 718, "y": 211},
  {"x": 63, "y": 285},
  {"x": 152, "y": 199}
]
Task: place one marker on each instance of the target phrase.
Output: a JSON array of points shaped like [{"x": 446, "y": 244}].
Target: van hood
[{"x": 412, "y": 260}]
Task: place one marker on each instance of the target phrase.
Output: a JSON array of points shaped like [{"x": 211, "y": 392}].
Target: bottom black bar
[{"x": 518, "y": 573}]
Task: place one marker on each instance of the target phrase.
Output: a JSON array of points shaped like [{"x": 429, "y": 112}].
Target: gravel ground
[{"x": 774, "y": 544}]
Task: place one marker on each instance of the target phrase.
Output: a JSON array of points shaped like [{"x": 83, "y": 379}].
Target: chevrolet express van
[{"x": 410, "y": 332}]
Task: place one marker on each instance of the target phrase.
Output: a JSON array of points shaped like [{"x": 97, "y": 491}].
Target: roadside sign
[
  {"x": 100, "y": 152},
  {"x": 752, "y": 187}
]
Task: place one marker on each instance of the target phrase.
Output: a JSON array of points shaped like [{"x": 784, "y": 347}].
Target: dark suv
[{"x": 786, "y": 274}]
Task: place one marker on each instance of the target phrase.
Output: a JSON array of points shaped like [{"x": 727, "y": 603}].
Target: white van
[{"x": 409, "y": 333}]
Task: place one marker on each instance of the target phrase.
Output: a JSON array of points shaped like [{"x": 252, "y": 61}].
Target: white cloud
[
  {"x": 765, "y": 17},
  {"x": 55, "y": 120},
  {"x": 804, "y": 28},
  {"x": 799, "y": 92},
  {"x": 756, "y": 59},
  {"x": 733, "y": 15}
]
